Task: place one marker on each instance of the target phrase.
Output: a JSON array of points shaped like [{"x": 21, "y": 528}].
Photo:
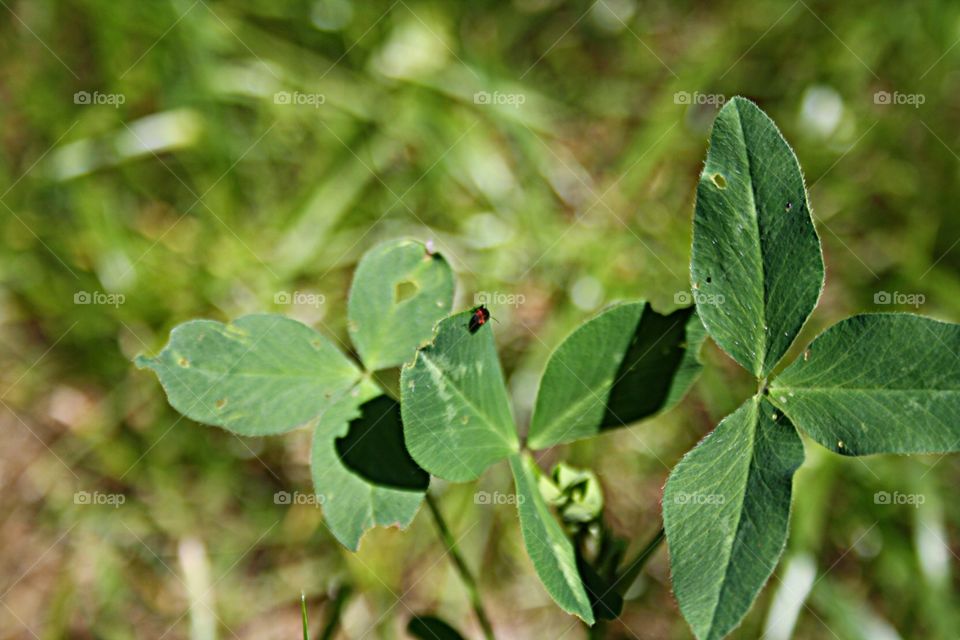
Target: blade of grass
[{"x": 303, "y": 610}]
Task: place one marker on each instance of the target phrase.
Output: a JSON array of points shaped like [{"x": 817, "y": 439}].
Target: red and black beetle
[{"x": 479, "y": 318}]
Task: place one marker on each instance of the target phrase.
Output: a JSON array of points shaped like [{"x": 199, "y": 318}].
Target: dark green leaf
[
  {"x": 726, "y": 508},
  {"x": 877, "y": 383},
  {"x": 258, "y": 375},
  {"x": 431, "y": 628},
  {"x": 756, "y": 266}
]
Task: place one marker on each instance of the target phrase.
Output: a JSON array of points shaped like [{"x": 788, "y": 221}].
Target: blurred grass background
[{"x": 206, "y": 193}]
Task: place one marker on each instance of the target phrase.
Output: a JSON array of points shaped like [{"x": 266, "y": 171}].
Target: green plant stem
[
  {"x": 634, "y": 567},
  {"x": 303, "y": 612},
  {"x": 336, "y": 609},
  {"x": 598, "y": 631},
  {"x": 469, "y": 582}
]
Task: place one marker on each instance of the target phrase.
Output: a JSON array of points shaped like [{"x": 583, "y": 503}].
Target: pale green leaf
[
  {"x": 756, "y": 265},
  {"x": 362, "y": 474},
  {"x": 877, "y": 383},
  {"x": 456, "y": 413},
  {"x": 625, "y": 364},
  {"x": 400, "y": 290},
  {"x": 258, "y": 375},
  {"x": 726, "y": 508},
  {"x": 549, "y": 548}
]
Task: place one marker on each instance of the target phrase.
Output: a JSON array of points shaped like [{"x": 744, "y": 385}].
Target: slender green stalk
[
  {"x": 598, "y": 631},
  {"x": 303, "y": 611},
  {"x": 634, "y": 567},
  {"x": 336, "y": 608},
  {"x": 462, "y": 569}
]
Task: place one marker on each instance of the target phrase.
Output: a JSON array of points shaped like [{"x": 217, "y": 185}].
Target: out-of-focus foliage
[{"x": 550, "y": 150}]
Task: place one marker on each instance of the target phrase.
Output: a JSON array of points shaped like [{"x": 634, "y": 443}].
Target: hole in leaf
[
  {"x": 374, "y": 448},
  {"x": 719, "y": 180},
  {"x": 709, "y": 279},
  {"x": 788, "y": 207},
  {"x": 405, "y": 290}
]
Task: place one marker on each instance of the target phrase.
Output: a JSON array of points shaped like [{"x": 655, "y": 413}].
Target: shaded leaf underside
[
  {"x": 625, "y": 364},
  {"x": 353, "y": 503}
]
